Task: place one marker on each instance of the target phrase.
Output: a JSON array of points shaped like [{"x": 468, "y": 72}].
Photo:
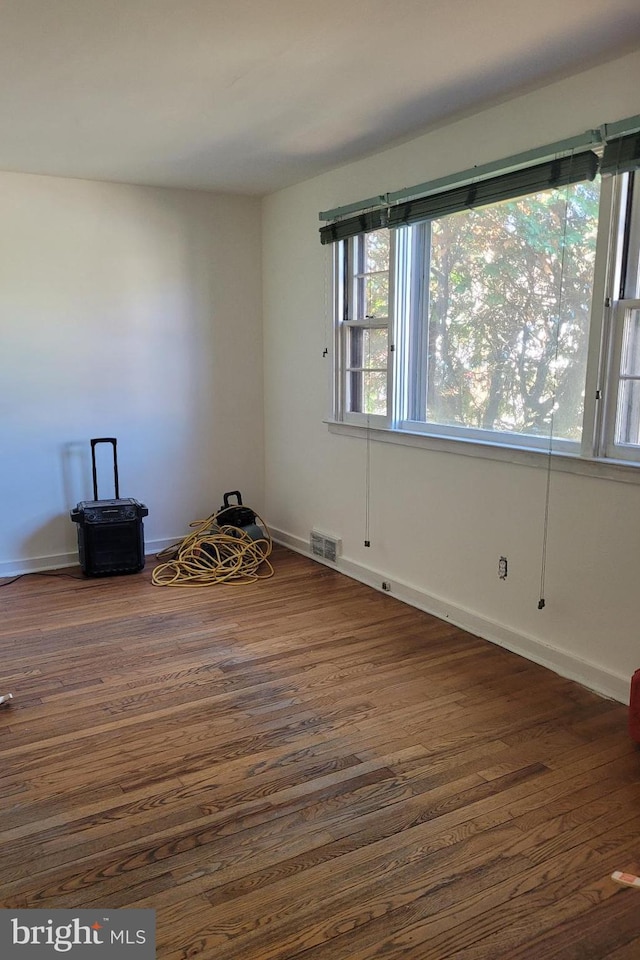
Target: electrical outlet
[
  {"x": 386, "y": 586},
  {"x": 502, "y": 568}
]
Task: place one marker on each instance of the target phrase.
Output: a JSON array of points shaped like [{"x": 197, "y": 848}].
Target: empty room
[{"x": 320, "y": 433}]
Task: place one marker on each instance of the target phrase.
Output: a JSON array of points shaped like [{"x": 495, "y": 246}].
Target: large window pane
[{"x": 509, "y": 302}]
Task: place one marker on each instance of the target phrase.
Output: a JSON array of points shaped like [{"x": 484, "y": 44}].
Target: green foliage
[{"x": 510, "y": 296}]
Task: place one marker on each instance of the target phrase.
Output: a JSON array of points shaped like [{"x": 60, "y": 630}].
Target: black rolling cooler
[{"x": 110, "y": 532}]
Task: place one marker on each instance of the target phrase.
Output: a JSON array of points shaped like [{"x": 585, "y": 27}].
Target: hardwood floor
[{"x": 304, "y": 767}]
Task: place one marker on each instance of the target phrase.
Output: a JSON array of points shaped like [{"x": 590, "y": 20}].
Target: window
[
  {"x": 505, "y": 317},
  {"x": 365, "y": 323},
  {"x": 621, "y": 430},
  {"x": 515, "y": 322}
]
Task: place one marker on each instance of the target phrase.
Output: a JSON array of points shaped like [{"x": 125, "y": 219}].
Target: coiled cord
[{"x": 215, "y": 553}]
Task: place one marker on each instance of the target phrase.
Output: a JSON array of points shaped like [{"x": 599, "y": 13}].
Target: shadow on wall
[
  {"x": 45, "y": 540},
  {"x": 58, "y": 530}
]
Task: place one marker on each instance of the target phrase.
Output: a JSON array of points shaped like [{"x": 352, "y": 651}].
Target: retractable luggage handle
[{"x": 114, "y": 444}]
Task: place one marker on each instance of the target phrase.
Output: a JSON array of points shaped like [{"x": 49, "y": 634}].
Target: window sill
[{"x": 620, "y": 471}]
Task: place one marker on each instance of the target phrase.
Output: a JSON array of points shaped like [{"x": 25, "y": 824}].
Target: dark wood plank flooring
[{"x": 305, "y": 767}]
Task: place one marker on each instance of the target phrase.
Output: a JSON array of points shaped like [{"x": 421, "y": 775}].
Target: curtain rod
[{"x": 605, "y": 132}]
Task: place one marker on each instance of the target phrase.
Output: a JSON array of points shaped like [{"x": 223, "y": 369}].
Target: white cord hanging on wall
[{"x": 559, "y": 309}]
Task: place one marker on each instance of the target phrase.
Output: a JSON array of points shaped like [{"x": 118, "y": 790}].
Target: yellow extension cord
[{"x": 214, "y": 553}]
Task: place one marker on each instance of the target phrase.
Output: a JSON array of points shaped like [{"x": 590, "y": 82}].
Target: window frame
[
  {"x": 407, "y": 353},
  {"x": 621, "y": 296},
  {"x": 614, "y": 448},
  {"x": 346, "y": 278}
]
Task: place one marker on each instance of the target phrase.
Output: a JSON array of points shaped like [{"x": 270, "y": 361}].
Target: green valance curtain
[
  {"x": 519, "y": 183},
  {"x": 622, "y": 154},
  {"x": 361, "y": 223},
  {"x": 556, "y": 165},
  {"x": 506, "y": 186}
]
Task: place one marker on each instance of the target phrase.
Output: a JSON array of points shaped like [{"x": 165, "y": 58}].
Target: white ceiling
[{"x": 252, "y": 95}]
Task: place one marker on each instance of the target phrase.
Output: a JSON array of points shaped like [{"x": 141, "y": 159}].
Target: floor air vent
[{"x": 324, "y": 546}]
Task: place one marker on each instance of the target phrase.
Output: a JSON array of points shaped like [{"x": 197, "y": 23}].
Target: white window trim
[
  {"x": 342, "y": 328},
  {"x": 599, "y": 345},
  {"x": 596, "y": 467},
  {"x": 619, "y": 451}
]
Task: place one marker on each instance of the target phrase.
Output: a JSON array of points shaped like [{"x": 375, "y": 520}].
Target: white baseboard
[
  {"x": 155, "y": 546},
  {"x": 58, "y": 561},
  {"x": 15, "y": 568},
  {"x": 593, "y": 676}
]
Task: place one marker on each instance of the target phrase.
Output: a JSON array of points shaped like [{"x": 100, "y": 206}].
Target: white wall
[
  {"x": 130, "y": 312},
  {"x": 439, "y": 521}
]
